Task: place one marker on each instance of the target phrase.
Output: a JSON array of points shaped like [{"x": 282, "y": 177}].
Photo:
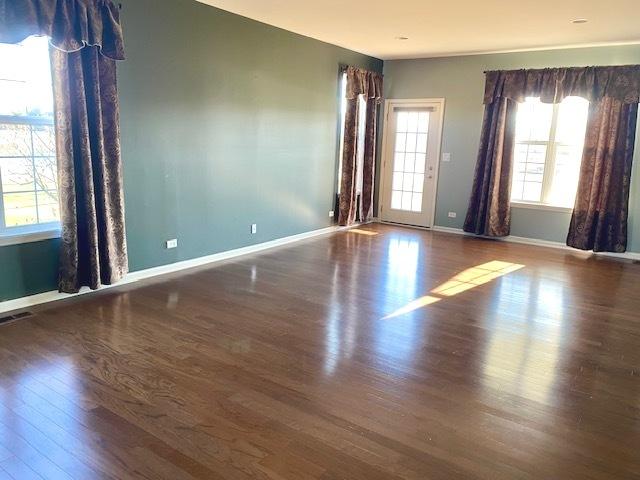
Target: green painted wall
[
  {"x": 460, "y": 81},
  {"x": 225, "y": 122}
]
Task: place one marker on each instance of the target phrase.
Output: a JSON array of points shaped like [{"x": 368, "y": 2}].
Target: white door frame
[{"x": 411, "y": 102}]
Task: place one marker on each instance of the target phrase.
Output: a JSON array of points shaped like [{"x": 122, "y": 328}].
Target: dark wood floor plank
[{"x": 403, "y": 354}]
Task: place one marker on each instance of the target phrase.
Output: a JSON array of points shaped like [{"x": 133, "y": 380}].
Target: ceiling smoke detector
[{"x": 579, "y": 20}]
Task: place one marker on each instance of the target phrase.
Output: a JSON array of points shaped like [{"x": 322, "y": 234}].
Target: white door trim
[{"x": 412, "y": 102}]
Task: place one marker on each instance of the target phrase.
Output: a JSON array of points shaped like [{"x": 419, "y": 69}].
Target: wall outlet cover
[
  {"x": 173, "y": 243},
  {"x": 331, "y": 213},
  {"x": 446, "y": 157},
  {"x": 453, "y": 214},
  {"x": 254, "y": 228}
]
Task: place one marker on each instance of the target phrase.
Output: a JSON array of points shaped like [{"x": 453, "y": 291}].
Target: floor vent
[{"x": 16, "y": 316}]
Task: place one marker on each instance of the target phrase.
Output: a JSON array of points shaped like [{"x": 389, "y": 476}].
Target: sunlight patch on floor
[
  {"x": 362, "y": 232},
  {"x": 463, "y": 281}
]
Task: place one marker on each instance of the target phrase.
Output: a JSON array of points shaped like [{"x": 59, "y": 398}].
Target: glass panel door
[{"x": 410, "y": 158}]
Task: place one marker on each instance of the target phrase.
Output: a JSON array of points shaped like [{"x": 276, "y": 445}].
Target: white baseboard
[
  {"x": 539, "y": 243},
  {"x": 52, "y": 296}
]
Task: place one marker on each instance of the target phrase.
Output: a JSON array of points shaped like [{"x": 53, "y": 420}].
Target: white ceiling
[{"x": 447, "y": 27}]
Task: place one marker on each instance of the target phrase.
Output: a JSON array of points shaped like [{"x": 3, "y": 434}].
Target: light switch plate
[{"x": 446, "y": 157}]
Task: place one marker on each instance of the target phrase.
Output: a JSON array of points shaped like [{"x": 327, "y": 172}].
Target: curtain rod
[{"x": 626, "y": 65}]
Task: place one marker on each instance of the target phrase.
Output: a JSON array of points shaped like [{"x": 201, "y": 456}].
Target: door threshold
[{"x": 420, "y": 227}]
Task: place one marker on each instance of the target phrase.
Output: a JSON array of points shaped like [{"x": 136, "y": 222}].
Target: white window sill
[
  {"x": 541, "y": 206},
  {"x": 28, "y": 237}
]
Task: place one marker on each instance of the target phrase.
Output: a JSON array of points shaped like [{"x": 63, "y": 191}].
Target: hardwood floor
[{"x": 378, "y": 353}]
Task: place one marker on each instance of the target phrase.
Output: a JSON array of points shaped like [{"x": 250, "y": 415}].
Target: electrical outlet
[
  {"x": 254, "y": 228},
  {"x": 446, "y": 157},
  {"x": 453, "y": 214},
  {"x": 331, "y": 213},
  {"x": 173, "y": 243}
]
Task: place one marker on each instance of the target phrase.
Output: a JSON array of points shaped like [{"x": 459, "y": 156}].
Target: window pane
[
  {"x": 15, "y": 140},
  {"x": 533, "y": 121},
  {"x": 566, "y": 175},
  {"x": 420, "y": 162},
  {"x": 48, "y": 206},
  {"x": 20, "y": 209},
  {"x": 25, "y": 88},
  {"x": 44, "y": 140},
  {"x": 572, "y": 121},
  {"x": 401, "y": 139},
  {"x": 46, "y": 175},
  {"x": 528, "y": 172},
  {"x": 532, "y": 191},
  {"x": 17, "y": 174}
]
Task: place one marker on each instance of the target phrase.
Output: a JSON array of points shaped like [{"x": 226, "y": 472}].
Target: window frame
[{"x": 549, "y": 166}]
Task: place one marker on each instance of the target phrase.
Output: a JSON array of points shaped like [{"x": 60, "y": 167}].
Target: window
[
  {"x": 28, "y": 171},
  {"x": 548, "y": 151}
]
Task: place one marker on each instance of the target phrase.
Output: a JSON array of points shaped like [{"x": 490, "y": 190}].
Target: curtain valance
[
  {"x": 70, "y": 24},
  {"x": 363, "y": 82},
  {"x": 552, "y": 85}
]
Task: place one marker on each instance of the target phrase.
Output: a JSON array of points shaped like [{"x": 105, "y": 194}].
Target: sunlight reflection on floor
[{"x": 463, "y": 281}]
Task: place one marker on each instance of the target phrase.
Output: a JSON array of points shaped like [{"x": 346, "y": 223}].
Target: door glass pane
[
  {"x": 396, "y": 199},
  {"x": 409, "y": 160},
  {"x": 406, "y": 200},
  {"x": 416, "y": 202},
  {"x": 397, "y": 181},
  {"x": 398, "y": 162}
]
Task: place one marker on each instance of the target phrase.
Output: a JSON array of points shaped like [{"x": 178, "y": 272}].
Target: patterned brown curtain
[
  {"x": 93, "y": 248},
  {"x": 86, "y": 40},
  {"x": 368, "y": 84},
  {"x": 347, "y": 198},
  {"x": 599, "y": 220},
  {"x": 489, "y": 211}
]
